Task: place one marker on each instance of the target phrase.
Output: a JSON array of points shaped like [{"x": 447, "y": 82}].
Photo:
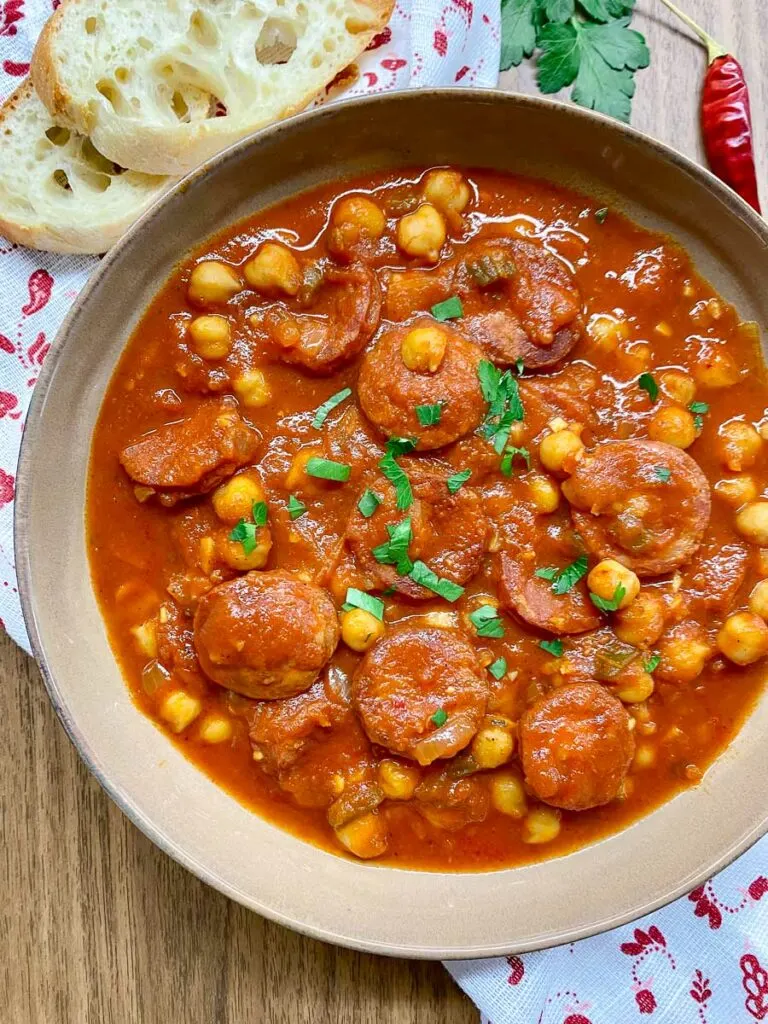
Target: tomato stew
[{"x": 427, "y": 516}]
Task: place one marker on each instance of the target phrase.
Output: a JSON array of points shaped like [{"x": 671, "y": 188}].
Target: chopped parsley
[
  {"x": 486, "y": 621},
  {"x": 448, "y": 309},
  {"x": 440, "y": 717},
  {"x": 368, "y": 503},
  {"x": 259, "y": 511},
  {"x": 553, "y": 647},
  {"x": 457, "y": 481},
  {"x": 329, "y": 405},
  {"x": 327, "y": 469},
  {"x": 400, "y": 445},
  {"x": 395, "y": 550},
  {"x": 498, "y": 668},
  {"x": 699, "y": 409},
  {"x": 563, "y": 580},
  {"x": 509, "y": 456},
  {"x": 601, "y": 215},
  {"x": 501, "y": 392},
  {"x": 653, "y": 663},
  {"x": 296, "y": 508},
  {"x": 359, "y": 599},
  {"x": 245, "y": 532},
  {"x": 662, "y": 473},
  {"x": 647, "y": 383},
  {"x": 422, "y": 574},
  {"x": 612, "y": 605},
  {"x": 519, "y": 367},
  {"x": 399, "y": 480},
  {"x": 429, "y": 415}
]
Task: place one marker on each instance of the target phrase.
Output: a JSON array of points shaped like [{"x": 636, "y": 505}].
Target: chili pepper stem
[{"x": 714, "y": 49}]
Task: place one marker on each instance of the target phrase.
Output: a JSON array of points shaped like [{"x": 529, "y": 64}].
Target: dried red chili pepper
[{"x": 726, "y": 119}]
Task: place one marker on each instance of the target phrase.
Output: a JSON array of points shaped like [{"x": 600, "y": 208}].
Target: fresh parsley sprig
[{"x": 586, "y": 44}]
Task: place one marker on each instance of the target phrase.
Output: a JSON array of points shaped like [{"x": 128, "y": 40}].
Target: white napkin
[{"x": 702, "y": 960}]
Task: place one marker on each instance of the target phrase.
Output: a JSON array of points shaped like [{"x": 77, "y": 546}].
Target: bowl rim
[{"x": 735, "y": 205}]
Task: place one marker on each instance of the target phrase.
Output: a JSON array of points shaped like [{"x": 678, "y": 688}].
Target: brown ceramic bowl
[{"x": 382, "y": 909}]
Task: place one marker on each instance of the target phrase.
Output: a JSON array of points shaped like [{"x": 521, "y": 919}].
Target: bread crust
[{"x": 150, "y": 148}]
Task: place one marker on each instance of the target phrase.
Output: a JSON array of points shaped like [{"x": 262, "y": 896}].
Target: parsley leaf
[
  {"x": 359, "y": 599},
  {"x": 440, "y": 717},
  {"x": 599, "y": 60},
  {"x": 604, "y": 10},
  {"x": 553, "y": 647},
  {"x": 699, "y": 407},
  {"x": 429, "y": 415},
  {"x": 662, "y": 473},
  {"x": 653, "y": 663},
  {"x": 518, "y": 31},
  {"x": 558, "y": 10},
  {"x": 245, "y": 533},
  {"x": 601, "y": 215},
  {"x": 486, "y": 621},
  {"x": 519, "y": 366},
  {"x": 612, "y": 605},
  {"x": 509, "y": 456},
  {"x": 329, "y": 405},
  {"x": 395, "y": 550},
  {"x": 448, "y": 309},
  {"x": 368, "y": 503},
  {"x": 498, "y": 668},
  {"x": 296, "y": 508},
  {"x": 327, "y": 469},
  {"x": 502, "y": 393},
  {"x": 457, "y": 481},
  {"x": 395, "y": 473},
  {"x": 421, "y": 573},
  {"x": 259, "y": 512},
  {"x": 648, "y": 383},
  {"x": 563, "y": 580}
]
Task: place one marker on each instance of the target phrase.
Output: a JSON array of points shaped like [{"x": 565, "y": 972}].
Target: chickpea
[
  {"x": 678, "y": 386},
  {"x": 212, "y": 283},
  {"x": 545, "y": 493},
  {"x": 233, "y": 553},
  {"x": 448, "y": 191},
  {"x": 758, "y": 599},
  {"x": 422, "y": 233},
  {"x": 234, "y": 499},
  {"x": 360, "y": 629},
  {"x": 145, "y": 636},
  {"x": 636, "y": 690},
  {"x": 642, "y": 623},
  {"x": 541, "y": 825},
  {"x": 355, "y": 219},
  {"x": 673, "y": 425},
  {"x": 752, "y": 522},
  {"x": 508, "y": 794},
  {"x": 739, "y": 445},
  {"x": 423, "y": 349},
  {"x": 297, "y": 477},
  {"x": 398, "y": 781},
  {"x": 211, "y": 336},
  {"x": 607, "y": 332},
  {"x": 252, "y": 389},
  {"x": 645, "y": 757},
  {"x": 274, "y": 269},
  {"x": 634, "y": 357},
  {"x": 215, "y": 729},
  {"x": 492, "y": 746},
  {"x": 179, "y": 710},
  {"x": 716, "y": 369},
  {"x": 743, "y": 638},
  {"x": 684, "y": 657},
  {"x": 560, "y": 451},
  {"x": 607, "y": 576},
  {"x": 366, "y": 836},
  {"x": 737, "y": 490}
]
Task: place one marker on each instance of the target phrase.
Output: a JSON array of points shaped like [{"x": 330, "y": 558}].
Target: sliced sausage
[
  {"x": 576, "y": 746},
  {"x": 501, "y": 335},
  {"x": 350, "y": 439},
  {"x": 412, "y": 675},
  {"x": 716, "y": 574},
  {"x": 333, "y": 326},
  {"x": 644, "y": 503},
  {"x": 449, "y": 532},
  {"x": 266, "y": 634},
  {"x": 389, "y": 391},
  {"x": 193, "y": 455},
  {"x": 571, "y": 394}
]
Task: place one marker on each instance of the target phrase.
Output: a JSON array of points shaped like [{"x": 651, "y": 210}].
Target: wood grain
[{"x": 97, "y": 926}]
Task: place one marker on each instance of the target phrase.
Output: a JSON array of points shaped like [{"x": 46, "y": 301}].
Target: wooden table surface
[{"x": 99, "y": 927}]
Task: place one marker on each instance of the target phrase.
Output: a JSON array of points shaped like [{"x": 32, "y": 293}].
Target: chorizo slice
[
  {"x": 448, "y": 532},
  {"x": 390, "y": 392},
  {"x": 265, "y": 635},
  {"x": 193, "y": 455},
  {"x": 501, "y": 335},
  {"x": 576, "y": 746},
  {"x": 644, "y": 503},
  {"x": 421, "y": 692},
  {"x": 331, "y": 327}
]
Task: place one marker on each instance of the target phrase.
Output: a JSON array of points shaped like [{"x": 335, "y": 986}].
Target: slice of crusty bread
[
  {"x": 161, "y": 85},
  {"x": 56, "y": 191}
]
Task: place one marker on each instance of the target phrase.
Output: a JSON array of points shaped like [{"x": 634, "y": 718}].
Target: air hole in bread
[
  {"x": 96, "y": 182},
  {"x": 179, "y": 106},
  {"x": 112, "y": 95},
  {"x": 122, "y": 74},
  {"x": 57, "y": 135},
  {"x": 96, "y": 161},
  {"x": 203, "y": 30},
  {"x": 144, "y": 43},
  {"x": 60, "y": 178},
  {"x": 91, "y": 24},
  {"x": 277, "y": 42}
]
